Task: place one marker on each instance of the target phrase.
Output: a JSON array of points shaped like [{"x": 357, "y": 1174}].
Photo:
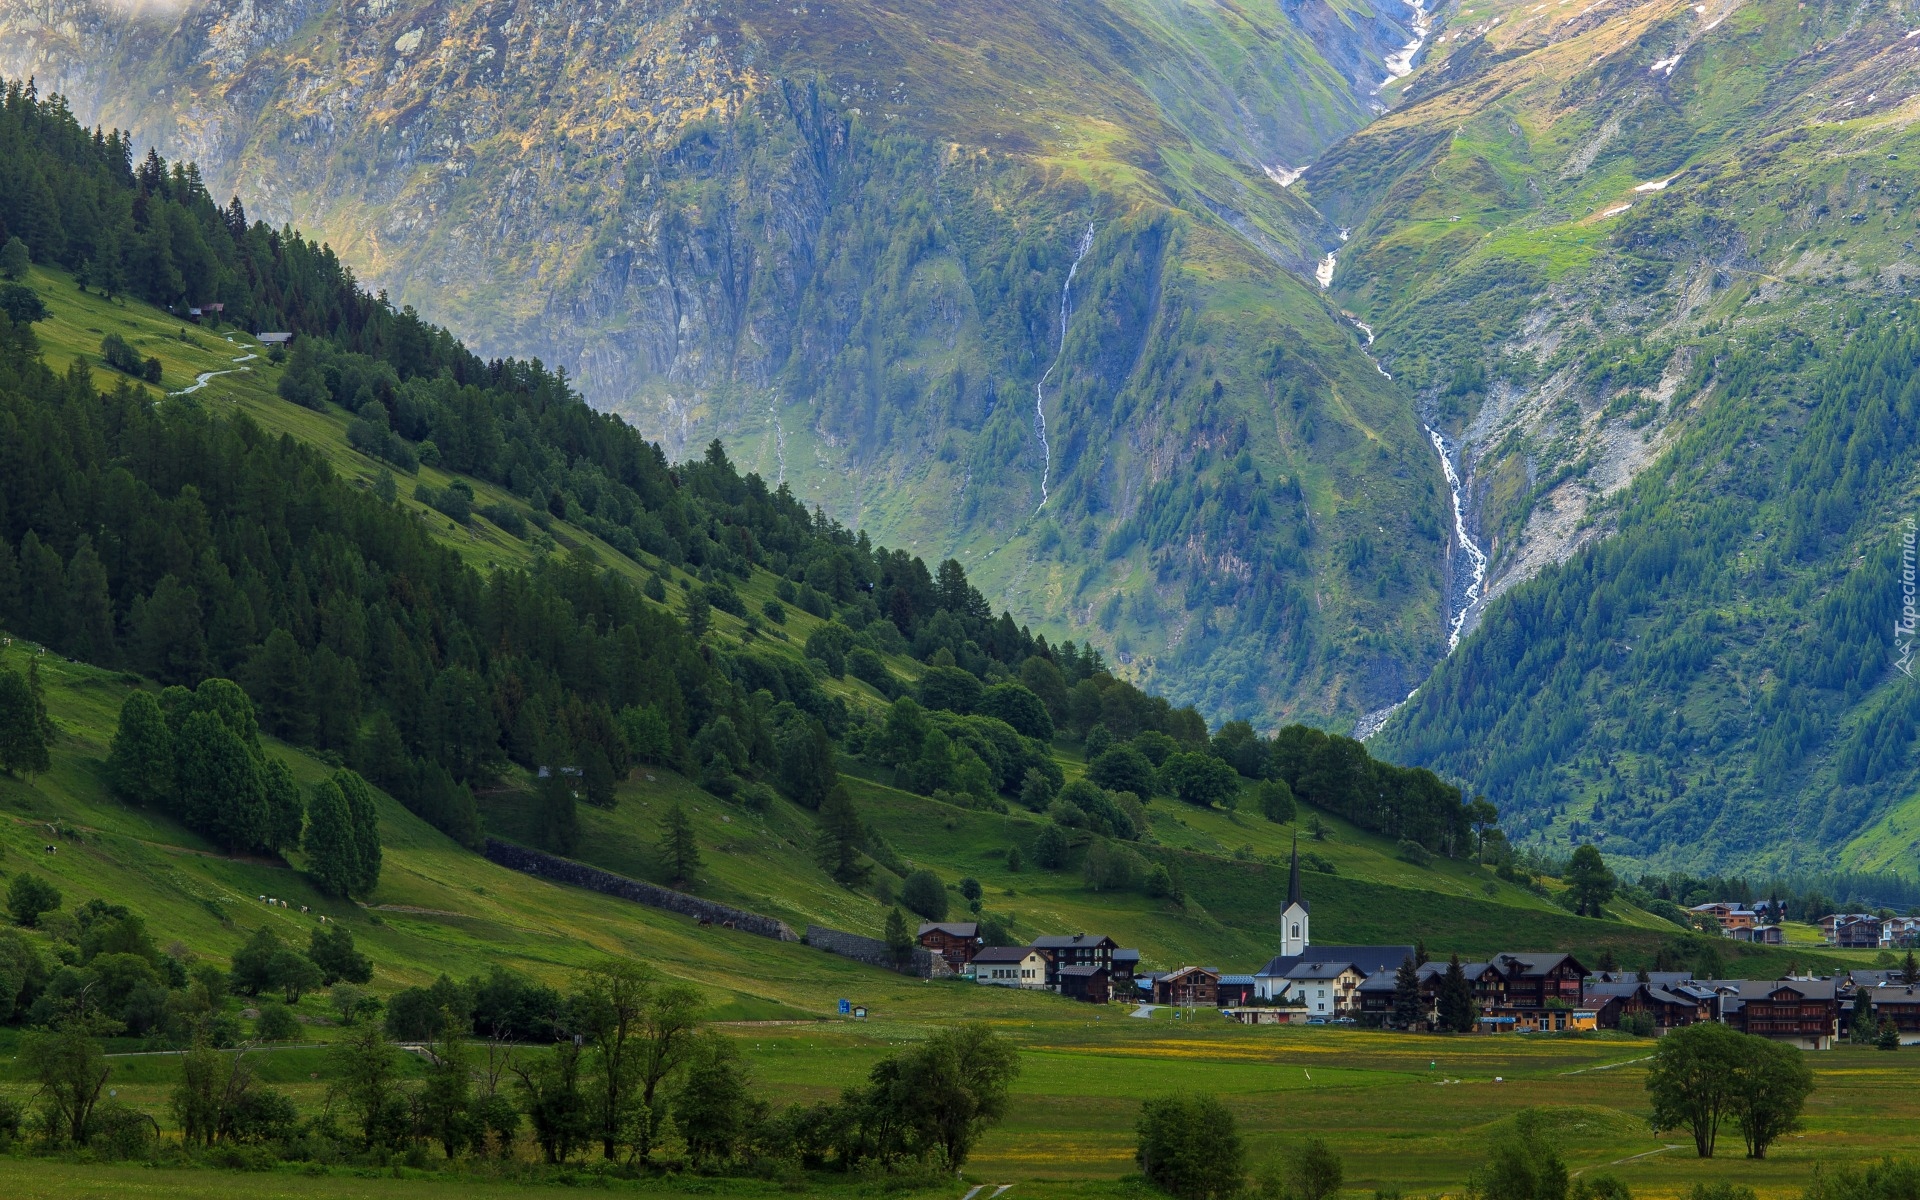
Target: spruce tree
[
  {"x": 899, "y": 938},
  {"x": 679, "y": 852},
  {"x": 1456, "y": 999},
  {"x": 23, "y": 737},
  {"x": 284, "y": 811},
  {"x": 1406, "y": 995},
  {"x": 141, "y": 761},
  {"x": 841, "y": 837},
  {"x": 221, "y": 791},
  {"x": 559, "y": 812},
  {"x": 364, "y": 820},
  {"x": 332, "y": 857},
  {"x": 89, "y": 606}
]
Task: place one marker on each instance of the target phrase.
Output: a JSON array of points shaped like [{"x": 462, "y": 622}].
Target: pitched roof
[
  {"x": 1321, "y": 970},
  {"x": 1236, "y": 981},
  {"x": 1744, "y": 990},
  {"x": 1064, "y": 941},
  {"x": 1177, "y": 972},
  {"x": 1088, "y": 970},
  {"x": 1365, "y": 959},
  {"x": 1526, "y": 963},
  {"x": 1002, "y": 954},
  {"x": 1120, "y": 956},
  {"x": 959, "y": 929}
]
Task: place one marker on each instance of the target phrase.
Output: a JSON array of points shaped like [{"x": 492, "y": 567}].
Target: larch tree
[{"x": 679, "y": 851}]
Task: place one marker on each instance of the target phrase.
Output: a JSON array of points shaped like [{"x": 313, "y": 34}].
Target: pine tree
[
  {"x": 679, "y": 852},
  {"x": 1406, "y": 995},
  {"x": 364, "y": 820},
  {"x": 841, "y": 837},
  {"x": 1456, "y": 999},
  {"x": 141, "y": 761},
  {"x": 332, "y": 857},
  {"x": 23, "y": 739}
]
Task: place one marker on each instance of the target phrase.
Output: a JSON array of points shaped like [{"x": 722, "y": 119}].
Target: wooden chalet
[
  {"x": 955, "y": 941},
  {"x": 1376, "y": 993},
  {"x": 1091, "y": 982},
  {"x": 1236, "y": 990},
  {"x": 1896, "y": 1002},
  {"x": 1860, "y": 932},
  {"x": 1188, "y": 986},
  {"x": 1671, "y": 1005},
  {"x": 1075, "y": 950},
  {"x": 1803, "y": 1012},
  {"x": 1528, "y": 991}
]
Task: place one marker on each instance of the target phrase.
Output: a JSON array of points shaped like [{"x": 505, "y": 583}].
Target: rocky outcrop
[{"x": 565, "y": 870}]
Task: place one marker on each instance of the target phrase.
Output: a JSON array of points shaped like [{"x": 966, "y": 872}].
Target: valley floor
[{"x": 1408, "y": 1114}]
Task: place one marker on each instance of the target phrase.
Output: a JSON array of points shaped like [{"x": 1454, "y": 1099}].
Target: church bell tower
[{"x": 1294, "y": 934}]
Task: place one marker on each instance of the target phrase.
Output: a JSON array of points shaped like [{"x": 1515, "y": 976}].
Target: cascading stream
[
  {"x": 1475, "y": 555},
  {"x": 1040, "y": 389}
]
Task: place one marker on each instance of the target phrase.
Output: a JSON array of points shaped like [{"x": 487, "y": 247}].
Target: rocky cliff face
[{"x": 839, "y": 235}]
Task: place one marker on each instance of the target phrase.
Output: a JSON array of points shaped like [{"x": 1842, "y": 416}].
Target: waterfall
[
  {"x": 1475, "y": 555},
  {"x": 779, "y": 436},
  {"x": 1040, "y": 389},
  {"x": 1400, "y": 64}
]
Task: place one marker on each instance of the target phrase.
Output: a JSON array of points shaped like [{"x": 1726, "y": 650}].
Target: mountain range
[{"x": 1174, "y": 323}]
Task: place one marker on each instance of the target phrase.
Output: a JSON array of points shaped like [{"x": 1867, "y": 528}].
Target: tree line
[{"x": 621, "y": 1068}]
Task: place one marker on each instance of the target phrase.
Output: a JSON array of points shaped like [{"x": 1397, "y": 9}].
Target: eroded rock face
[{"x": 837, "y": 234}]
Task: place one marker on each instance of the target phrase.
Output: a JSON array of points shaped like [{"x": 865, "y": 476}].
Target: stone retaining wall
[
  {"x": 565, "y": 870},
  {"x": 872, "y": 951}
]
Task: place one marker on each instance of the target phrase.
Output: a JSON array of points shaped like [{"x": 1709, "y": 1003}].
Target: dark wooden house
[{"x": 955, "y": 941}]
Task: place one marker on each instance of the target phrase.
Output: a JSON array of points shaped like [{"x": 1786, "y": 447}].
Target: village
[{"x": 1400, "y": 987}]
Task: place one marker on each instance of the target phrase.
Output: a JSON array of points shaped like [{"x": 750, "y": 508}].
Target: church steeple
[{"x": 1295, "y": 935}]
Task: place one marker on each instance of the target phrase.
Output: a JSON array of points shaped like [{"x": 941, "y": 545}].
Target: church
[{"x": 1300, "y": 963}]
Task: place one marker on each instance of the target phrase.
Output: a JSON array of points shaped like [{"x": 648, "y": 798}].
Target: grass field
[{"x": 1407, "y": 1113}]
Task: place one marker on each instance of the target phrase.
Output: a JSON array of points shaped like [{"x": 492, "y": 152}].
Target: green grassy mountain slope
[
  {"x": 441, "y": 905},
  {"x": 840, "y": 237}
]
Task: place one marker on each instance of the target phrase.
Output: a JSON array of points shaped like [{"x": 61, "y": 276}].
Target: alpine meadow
[{"x": 1285, "y": 599}]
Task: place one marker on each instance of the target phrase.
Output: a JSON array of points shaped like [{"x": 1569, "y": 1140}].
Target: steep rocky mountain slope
[
  {"x": 1646, "y": 264},
  {"x": 1020, "y": 283},
  {"x": 1639, "y": 266}
]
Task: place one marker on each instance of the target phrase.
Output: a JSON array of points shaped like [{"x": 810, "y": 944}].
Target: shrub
[
  {"x": 1050, "y": 848},
  {"x": 276, "y": 1023},
  {"x": 22, "y": 304},
  {"x": 507, "y": 517},
  {"x": 1276, "y": 801},
  {"x": 121, "y": 356},
  {"x": 1189, "y": 1147},
  {"x": 30, "y": 897},
  {"x": 925, "y": 894}
]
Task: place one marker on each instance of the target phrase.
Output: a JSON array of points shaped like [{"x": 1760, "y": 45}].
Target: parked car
[{"x": 1316, "y": 1020}]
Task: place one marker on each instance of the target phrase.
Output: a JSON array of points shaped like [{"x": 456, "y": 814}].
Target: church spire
[{"x": 1294, "y": 934}]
